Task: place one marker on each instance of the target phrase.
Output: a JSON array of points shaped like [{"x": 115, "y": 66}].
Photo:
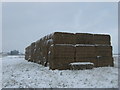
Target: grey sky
[
  {"x": 0, "y": 27},
  {"x": 24, "y": 23}
]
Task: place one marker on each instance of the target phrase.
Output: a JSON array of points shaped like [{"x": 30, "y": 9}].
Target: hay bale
[
  {"x": 101, "y": 39},
  {"x": 60, "y": 56},
  {"x": 104, "y": 61},
  {"x": 27, "y": 53},
  {"x": 63, "y": 38},
  {"x": 84, "y": 53},
  {"x": 84, "y": 38},
  {"x": 104, "y": 51}
]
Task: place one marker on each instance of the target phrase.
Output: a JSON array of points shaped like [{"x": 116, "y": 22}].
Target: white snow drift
[{"x": 19, "y": 73}]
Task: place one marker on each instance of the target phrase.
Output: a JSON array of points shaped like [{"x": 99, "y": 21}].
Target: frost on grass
[{"x": 19, "y": 73}]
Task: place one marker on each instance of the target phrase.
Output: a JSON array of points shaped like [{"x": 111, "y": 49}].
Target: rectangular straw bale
[
  {"x": 63, "y": 38},
  {"x": 84, "y": 38},
  {"x": 64, "y": 51},
  {"x": 85, "y": 51},
  {"x": 103, "y": 51},
  {"x": 61, "y": 55},
  {"x": 105, "y": 61},
  {"x": 102, "y": 39}
]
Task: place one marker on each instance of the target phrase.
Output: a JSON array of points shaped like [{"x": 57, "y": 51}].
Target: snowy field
[{"x": 19, "y": 73}]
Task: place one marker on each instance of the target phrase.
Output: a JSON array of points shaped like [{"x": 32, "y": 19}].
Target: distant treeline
[{"x": 13, "y": 52}]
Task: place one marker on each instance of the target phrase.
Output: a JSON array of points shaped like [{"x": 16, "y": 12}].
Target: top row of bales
[{"x": 77, "y": 38}]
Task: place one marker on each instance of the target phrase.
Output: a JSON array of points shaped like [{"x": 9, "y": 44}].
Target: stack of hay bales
[
  {"x": 95, "y": 48},
  {"x": 59, "y": 49},
  {"x": 60, "y": 56},
  {"x": 62, "y": 50}
]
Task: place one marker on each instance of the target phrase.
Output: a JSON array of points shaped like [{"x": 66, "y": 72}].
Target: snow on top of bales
[
  {"x": 81, "y": 63},
  {"x": 92, "y": 45},
  {"x": 81, "y": 45}
]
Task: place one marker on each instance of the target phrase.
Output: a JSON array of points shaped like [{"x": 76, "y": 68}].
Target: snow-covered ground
[
  {"x": 0, "y": 72},
  {"x": 19, "y": 73}
]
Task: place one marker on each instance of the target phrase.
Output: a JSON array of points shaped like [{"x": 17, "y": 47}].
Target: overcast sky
[
  {"x": 0, "y": 27},
  {"x": 24, "y": 23}
]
